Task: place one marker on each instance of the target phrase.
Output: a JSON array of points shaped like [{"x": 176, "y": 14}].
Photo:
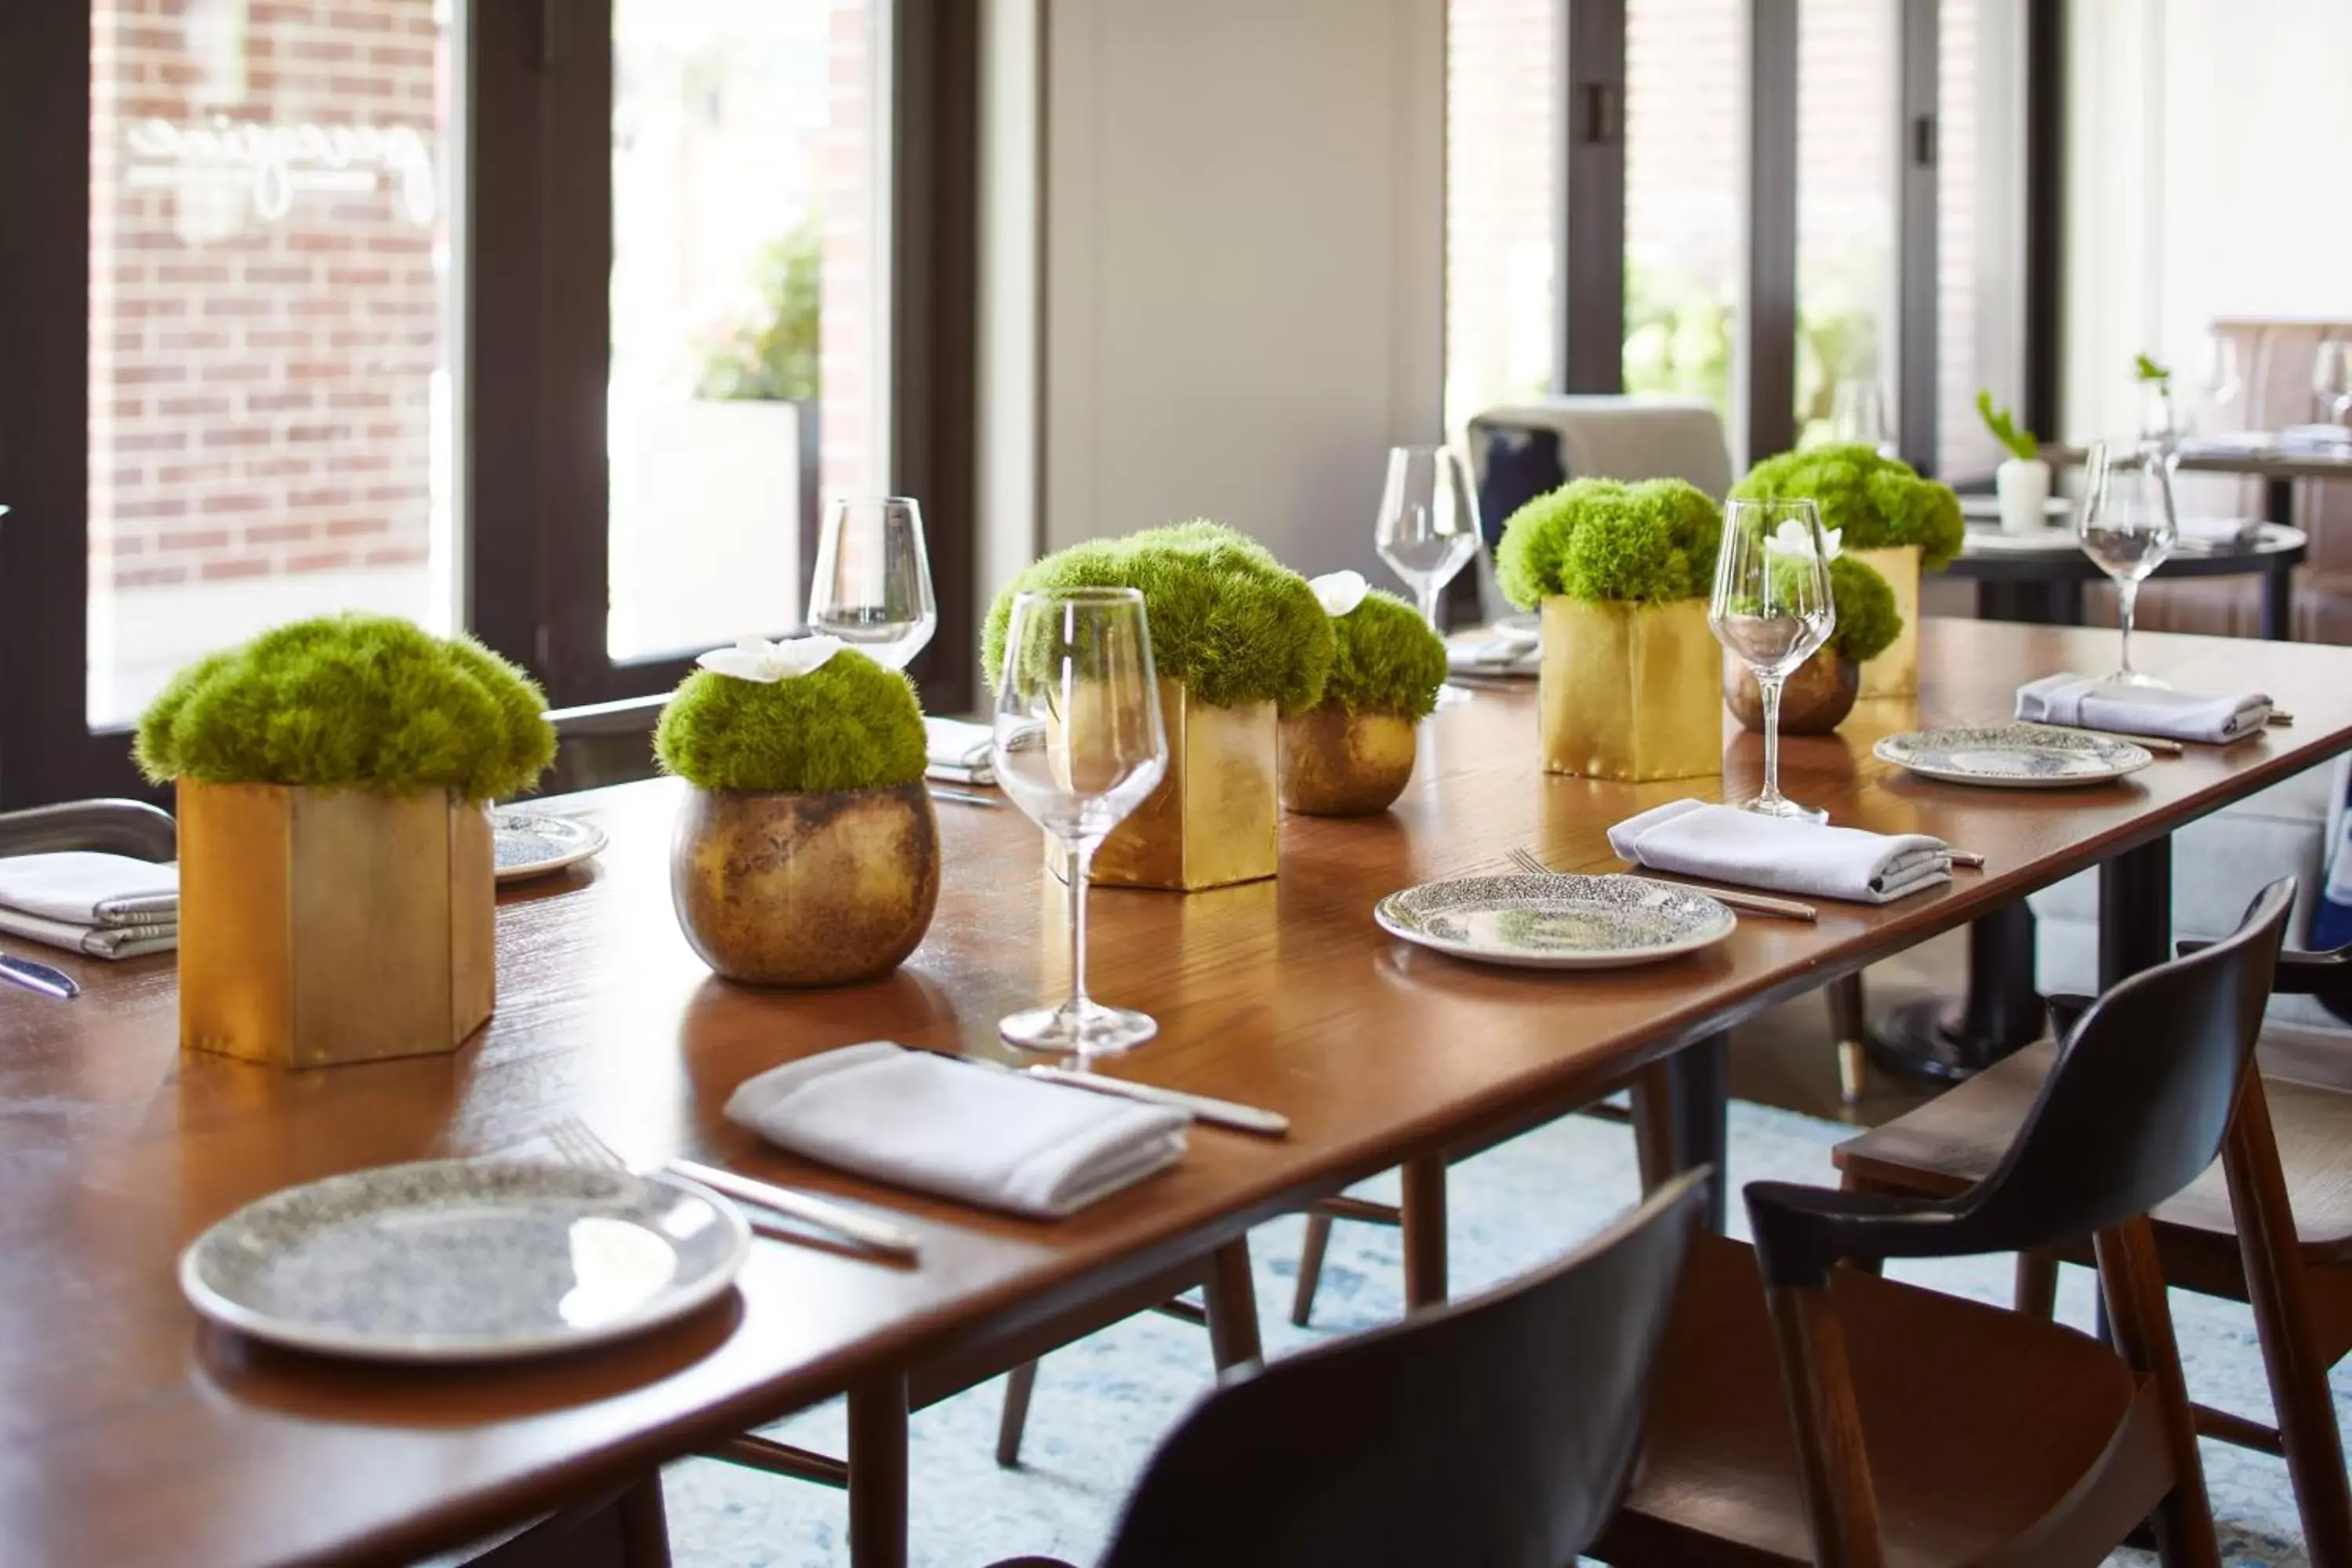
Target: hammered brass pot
[
  {"x": 1337, "y": 764},
  {"x": 806, "y": 890},
  {"x": 1814, "y": 700}
]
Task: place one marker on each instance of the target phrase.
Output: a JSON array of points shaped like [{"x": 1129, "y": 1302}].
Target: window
[
  {"x": 1502, "y": 182},
  {"x": 1848, "y": 74},
  {"x": 1685, "y": 91},
  {"x": 1981, "y": 228}
]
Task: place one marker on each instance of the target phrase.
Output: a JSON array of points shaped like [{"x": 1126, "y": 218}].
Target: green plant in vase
[{"x": 1352, "y": 754}]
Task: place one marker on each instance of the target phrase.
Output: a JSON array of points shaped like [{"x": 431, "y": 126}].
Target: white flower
[
  {"x": 756, "y": 658},
  {"x": 1340, "y": 591},
  {"x": 1793, "y": 538}
]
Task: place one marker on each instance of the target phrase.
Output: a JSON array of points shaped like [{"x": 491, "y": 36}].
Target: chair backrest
[
  {"x": 1496, "y": 1433},
  {"x": 2134, "y": 1109},
  {"x": 1519, "y": 452}
]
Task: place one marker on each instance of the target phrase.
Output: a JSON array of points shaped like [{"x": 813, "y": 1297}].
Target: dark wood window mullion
[
  {"x": 1591, "y": 247},
  {"x": 1916, "y": 237},
  {"x": 1766, "y": 394},
  {"x": 2045, "y": 160}
]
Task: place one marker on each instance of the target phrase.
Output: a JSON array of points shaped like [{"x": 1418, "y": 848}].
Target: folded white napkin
[
  {"x": 2230, "y": 443},
  {"x": 94, "y": 941},
  {"x": 957, "y": 751},
  {"x": 82, "y": 887},
  {"x": 2217, "y": 531},
  {"x": 2080, "y": 703},
  {"x": 1726, "y": 844},
  {"x": 920, "y": 1120},
  {"x": 2314, "y": 437}
]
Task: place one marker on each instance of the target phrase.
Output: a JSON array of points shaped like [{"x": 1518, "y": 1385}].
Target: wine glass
[
  {"x": 2125, "y": 523},
  {"x": 872, "y": 587},
  {"x": 1428, "y": 528},
  {"x": 1771, "y": 607},
  {"x": 2331, "y": 383},
  {"x": 2220, "y": 380},
  {"x": 1858, "y": 416},
  {"x": 1079, "y": 743}
]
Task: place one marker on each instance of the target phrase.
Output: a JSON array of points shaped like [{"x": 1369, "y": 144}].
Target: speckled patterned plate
[
  {"x": 529, "y": 844},
  {"x": 462, "y": 1260},
  {"x": 2014, "y": 756},
  {"x": 1556, "y": 922}
]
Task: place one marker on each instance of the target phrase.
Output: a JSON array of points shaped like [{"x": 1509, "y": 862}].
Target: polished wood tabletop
[{"x": 130, "y": 1433}]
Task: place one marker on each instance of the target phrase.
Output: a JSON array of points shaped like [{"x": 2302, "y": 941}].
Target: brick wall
[{"x": 261, "y": 385}]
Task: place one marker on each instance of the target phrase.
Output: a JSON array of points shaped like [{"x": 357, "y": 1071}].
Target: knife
[
  {"x": 39, "y": 978},
  {"x": 1200, "y": 1107}
]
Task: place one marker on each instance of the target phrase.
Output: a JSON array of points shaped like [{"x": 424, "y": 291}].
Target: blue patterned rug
[{"x": 1103, "y": 1404}]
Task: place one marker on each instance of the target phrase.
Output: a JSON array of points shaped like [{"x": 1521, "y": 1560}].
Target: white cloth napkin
[
  {"x": 2215, "y": 532},
  {"x": 2078, "y": 702},
  {"x": 93, "y": 942},
  {"x": 83, "y": 888},
  {"x": 920, "y": 1120},
  {"x": 957, "y": 751},
  {"x": 1725, "y": 844}
]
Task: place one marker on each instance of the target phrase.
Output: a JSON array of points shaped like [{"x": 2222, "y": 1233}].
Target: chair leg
[
  {"x": 1310, "y": 1265},
  {"x": 877, "y": 1474},
  {"x": 644, "y": 1525},
  {"x": 1019, "y": 1384},
  {"x": 2037, "y": 1285},
  {"x": 2131, "y": 1283},
  {"x": 1848, "y": 1023},
  {"x": 1425, "y": 1232},
  {"x": 1231, "y": 1297}
]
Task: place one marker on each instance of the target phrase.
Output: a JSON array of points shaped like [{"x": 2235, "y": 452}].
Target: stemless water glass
[
  {"x": 1079, "y": 743},
  {"x": 1771, "y": 607},
  {"x": 2331, "y": 383},
  {"x": 1428, "y": 528},
  {"x": 2126, "y": 524},
  {"x": 872, "y": 587}
]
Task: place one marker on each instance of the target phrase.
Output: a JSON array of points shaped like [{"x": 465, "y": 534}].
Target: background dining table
[{"x": 130, "y": 1432}]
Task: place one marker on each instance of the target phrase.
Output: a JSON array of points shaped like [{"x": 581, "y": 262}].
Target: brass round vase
[
  {"x": 1814, "y": 700},
  {"x": 1337, "y": 764},
  {"x": 806, "y": 890}
]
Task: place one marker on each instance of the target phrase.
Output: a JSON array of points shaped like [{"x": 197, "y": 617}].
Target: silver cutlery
[
  {"x": 962, "y": 797},
  {"x": 577, "y": 1141},
  {"x": 1754, "y": 904},
  {"x": 1201, "y": 1107},
  {"x": 39, "y": 978}
]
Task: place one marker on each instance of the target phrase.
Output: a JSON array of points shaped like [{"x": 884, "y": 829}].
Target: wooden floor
[{"x": 1786, "y": 1058}]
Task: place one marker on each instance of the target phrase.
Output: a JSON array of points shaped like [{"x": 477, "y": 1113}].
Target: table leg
[
  {"x": 1951, "y": 1040},
  {"x": 1231, "y": 1301},
  {"x": 1425, "y": 1232},
  {"x": 1680, "y": 1106},
  {"x": 2278, "y": 604},
  {"x": 877, "y": 1474},
  {"x": 2134, "y": 911}
]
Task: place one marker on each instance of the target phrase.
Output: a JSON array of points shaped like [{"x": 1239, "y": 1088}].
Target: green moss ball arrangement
[
  {"x": 1387, "y": 659},
  {"x": 1867, "y": 620},
  {"x": 848, "y": 724},
  {"x": 367, "y": 702},
  {"x": 1231, "y": 622},
  {"x": 1874, "y": 502},
  {"x": 1650, "y": 542}
]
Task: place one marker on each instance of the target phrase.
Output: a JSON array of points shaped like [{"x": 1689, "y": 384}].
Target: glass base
[
  {"x": 1449, "y": 695},
  {"x": 2133, "y": 677},
  {"x": 1087, "y": 1028},
  {"x": 1782, "y": 806}
]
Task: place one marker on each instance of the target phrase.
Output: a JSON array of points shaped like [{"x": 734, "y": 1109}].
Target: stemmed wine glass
[
  {"x": 2331, "y": 383},
  {"x": 872, "y": 587},
  {"x": 1771, "y": 607},
  {"x": 2220, "y": 379},
  {"x": 2126, "y": 524},
  {"x": 1858, "y": 416},
  {"x": 1079, "y": 743},
  {"x": 1428, "y": 528}
]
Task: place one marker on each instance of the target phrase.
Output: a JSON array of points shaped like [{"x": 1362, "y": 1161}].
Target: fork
[
  {"x": 577, "y": 1142},
  {"x": 1754, "y": 904}
]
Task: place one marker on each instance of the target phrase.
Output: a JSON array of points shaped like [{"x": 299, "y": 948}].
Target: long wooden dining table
[{"x": 131, "y": 1433}]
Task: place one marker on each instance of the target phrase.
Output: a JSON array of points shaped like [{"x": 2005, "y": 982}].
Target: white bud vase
[{"x": 2023, "y": 487}]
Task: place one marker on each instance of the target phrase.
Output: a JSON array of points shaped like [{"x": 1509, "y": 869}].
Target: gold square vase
[
  {"x": 1214, "y": 818},
  {"x": 1629, "y": 690},
  {"x": 319, "y": 927},
  {"x": 1896, "y": 672}
]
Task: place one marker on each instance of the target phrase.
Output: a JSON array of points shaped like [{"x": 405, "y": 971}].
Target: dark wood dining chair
[
  {"x": 1495, "y": 1432},
  {"x": 1806, "y": 1411},
  {"x": 2288, "y": 1172}
]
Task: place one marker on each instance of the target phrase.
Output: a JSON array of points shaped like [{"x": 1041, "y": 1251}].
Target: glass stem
[
  {"x": 1429, "y": 592},
  {"x": 1082, "y": 862},
  {"x": 1771, "y": 691},
  {"x": 2126, "y": 597}
]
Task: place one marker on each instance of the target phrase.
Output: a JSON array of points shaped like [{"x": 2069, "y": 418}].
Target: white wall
[
  {"x": 1243, "y": 281},
  {"x": 2202, "y": 181}
]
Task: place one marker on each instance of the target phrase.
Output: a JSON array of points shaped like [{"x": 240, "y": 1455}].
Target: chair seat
[
  {"x": 1955, "y": 1139},
  {"x": 1949, "y": 1393}
]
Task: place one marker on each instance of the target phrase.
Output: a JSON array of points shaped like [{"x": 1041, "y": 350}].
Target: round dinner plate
[
  {"x": 465, "y": 1260},
  {"x": 526, "y": 844},
  {"x": 2014, "y": 756},
  {"x": 1556, "y": 922}
]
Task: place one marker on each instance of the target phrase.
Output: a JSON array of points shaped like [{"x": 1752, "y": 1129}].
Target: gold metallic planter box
[
  {"x": 1335, "y": 764},
  {"x": 1896, "y": 672},
  {"x": 319, "y": 926},
  {"x": 1214, "y": 818},
  {"x": 1629, "y": 690}
]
